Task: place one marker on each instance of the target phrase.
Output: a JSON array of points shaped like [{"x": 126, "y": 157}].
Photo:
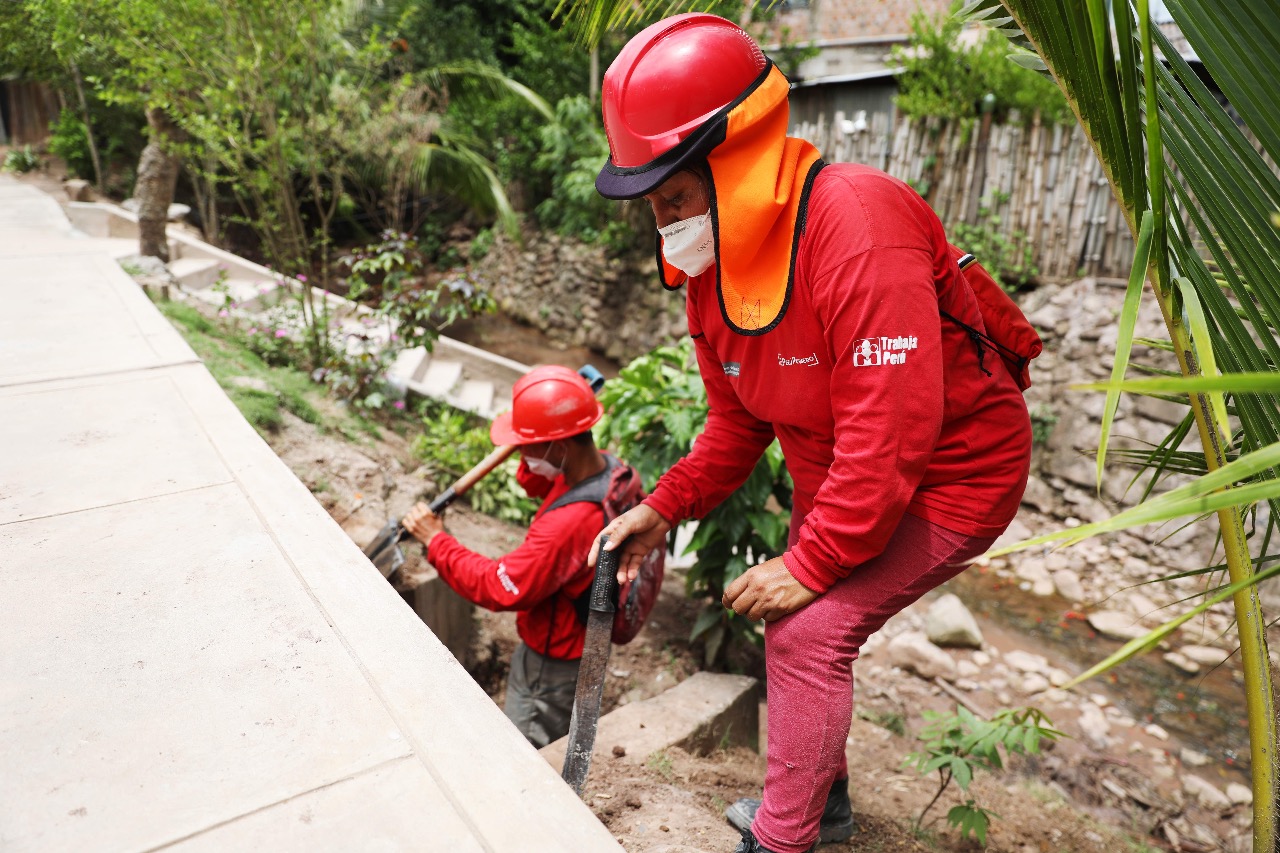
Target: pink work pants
[{"x": 809, "y": 659}]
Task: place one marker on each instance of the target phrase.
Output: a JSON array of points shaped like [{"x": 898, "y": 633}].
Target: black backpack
[{"x": 617, "y": 489}]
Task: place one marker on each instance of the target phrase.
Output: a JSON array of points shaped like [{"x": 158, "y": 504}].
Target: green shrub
[
  {"x": 958, "y": 745},
  {"x": 21, "y": 160},
  {"x": 653, "y": 411},
  {"x": 453, "y": 442},
  {"x": 942, "y": 79},
  {"x": 1009, "y": 259},
  {"x": 69, "y": 140}
]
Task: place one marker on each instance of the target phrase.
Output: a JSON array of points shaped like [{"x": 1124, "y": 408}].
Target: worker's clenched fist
[
  {"x": 423, "y": 523},
  {"x": 767, "y": 591},
  {"x": 638, "y": 531}
]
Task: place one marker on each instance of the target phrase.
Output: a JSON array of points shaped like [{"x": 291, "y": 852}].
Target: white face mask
[
  {"x": 689, "y": 245},
  {"x": 545, "y": 469}
]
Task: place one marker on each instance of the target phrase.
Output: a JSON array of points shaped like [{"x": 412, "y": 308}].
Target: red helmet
[
  {"x": 547, "y": 403},
  {"x": 665, "y": 85}
]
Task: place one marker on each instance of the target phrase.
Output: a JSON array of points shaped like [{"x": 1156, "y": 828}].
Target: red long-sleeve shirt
[
  {"x": 880, "y": 406},
  {"x": 540, "y": 578}
]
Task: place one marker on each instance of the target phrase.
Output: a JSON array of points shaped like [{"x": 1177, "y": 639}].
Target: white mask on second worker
[
  {"x": 543, "y": 468},
  {"x": 690, "y": 244}
]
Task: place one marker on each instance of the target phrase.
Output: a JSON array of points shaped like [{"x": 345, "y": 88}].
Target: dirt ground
[
  {"x": 1068, "y": 800},
  {"x": 674, "y": 802}
]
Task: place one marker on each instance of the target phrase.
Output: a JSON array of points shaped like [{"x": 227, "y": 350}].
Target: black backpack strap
[
  {"x": 981, "y": 342},
  {"x": 591, "y": 490}
]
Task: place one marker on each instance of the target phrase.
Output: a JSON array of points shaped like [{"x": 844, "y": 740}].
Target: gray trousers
[{"x": 540, "y": 695}]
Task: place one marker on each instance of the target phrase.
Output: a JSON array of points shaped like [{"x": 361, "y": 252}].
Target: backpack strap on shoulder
[{"x": 591, "y": 490}]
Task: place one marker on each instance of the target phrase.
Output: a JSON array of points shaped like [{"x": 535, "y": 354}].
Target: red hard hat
[
  {"x": 665, "y": 85},
  {"x": 547, "y": 403}
]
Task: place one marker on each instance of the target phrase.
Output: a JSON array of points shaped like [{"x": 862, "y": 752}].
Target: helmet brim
[
  {"x": 620, "y": 183},
  {"x": 627, "y": 182},
  {"x": 502, "y": 432}
]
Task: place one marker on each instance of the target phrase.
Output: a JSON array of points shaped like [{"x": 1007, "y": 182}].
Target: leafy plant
[
  {"x": 943, "y": 79},
  {"x": 957, "y": 746},
  {"x": 653, "y": 411},
  {"x": 452, "y": 442},
  {"x": 1009, "y": 258},
  {"x": 1043, "y": 420},
  {"x": 572, "y": 149},
  {"x": 392, "y": 275},
  {"x": 21, "y": 160}
]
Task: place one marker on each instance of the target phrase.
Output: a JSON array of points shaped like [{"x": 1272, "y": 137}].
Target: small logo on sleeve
[
  {"x": 505, "y": 579},
  {"x": 873, "y": 352},
  {"x": 732, "y": 368}
]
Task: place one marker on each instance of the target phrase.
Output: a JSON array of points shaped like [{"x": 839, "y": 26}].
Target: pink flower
[
  {"x": 224, "y": 313},
  {"x": 254, "y": 330},
  {"x": 302, "y": 277},
  {"x": 281, "y": 333},
  {"x": 395, "y": 337},
  {"x": 399, "y": 404}
]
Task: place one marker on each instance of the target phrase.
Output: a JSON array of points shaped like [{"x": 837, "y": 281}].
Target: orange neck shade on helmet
[{"x": 760, "y": 183}]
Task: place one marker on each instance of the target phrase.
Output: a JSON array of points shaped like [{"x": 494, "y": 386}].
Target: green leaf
[{"x": 1124, "y": 340}]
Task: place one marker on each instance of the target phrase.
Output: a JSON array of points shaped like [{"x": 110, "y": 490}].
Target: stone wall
[
  {"x": 1078, "y": 323},
  {"x": 577, "y": 295}
]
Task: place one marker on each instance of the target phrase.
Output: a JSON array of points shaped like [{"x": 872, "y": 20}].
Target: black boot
[
  {"x": 751, "y": 844},
  {"x": 837, "y": 815}
]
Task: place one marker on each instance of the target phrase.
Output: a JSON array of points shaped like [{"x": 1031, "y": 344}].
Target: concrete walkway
[{"x": 192, "y": 654}]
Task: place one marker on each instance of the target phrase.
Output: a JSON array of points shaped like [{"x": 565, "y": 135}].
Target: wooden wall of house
[
  {"x": 26, "y": 111},
  {"x": 1044, "y": 183}
]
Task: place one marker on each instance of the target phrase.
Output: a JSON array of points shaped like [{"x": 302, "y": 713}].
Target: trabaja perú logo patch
[{"x": 873, "y": 352}]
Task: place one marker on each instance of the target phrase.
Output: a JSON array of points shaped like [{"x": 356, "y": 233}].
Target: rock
[
  {"x": 968, "y": 669},
  {"x": 1057, "y": 677},
  {"x": 1117, "y": 626},
  {"x": 178, "y": 212},
  {"x": 1239, "y": 795},
  {"x": 253, "y": 383},
  {"x": 1032, "y": 569},
  {"x": 1094, "y": 728},
  {"x": 1155, "y": 731},
  {"x": 1205, "y": 793},
  {"x": 982, "y": 658},
  {"x": 1204, "y": 655},
  {"x": 1142, "y": 606},
  {"x": 1043, "y": 587},
  {"x": 1015, "y": 532},
  {"x": 1068, "y": 585},
  {"x": 912, "y": 651},
  {"x": 949, "y": 623},
  {"x": 78, "y": 190},
  {"x": 1192, "y": 758},
  {"x": 1039, "y": 496},
  {"x": 1181, "y": 663},
  {"x": 1025, "y": 661},
  {"x": 1034, "y": 683}
]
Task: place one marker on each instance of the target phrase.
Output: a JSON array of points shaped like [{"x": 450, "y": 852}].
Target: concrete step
[
  {"x": 196, "y": 273},
  {"x": 701, "y": 714},
  {"x": 409, "y": 365},
  {"x": 475, "y": 396},
  {"x": 440, "y": 379}
]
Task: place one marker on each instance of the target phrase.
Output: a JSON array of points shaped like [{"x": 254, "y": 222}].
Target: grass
[{"x": 260, "y": 391}]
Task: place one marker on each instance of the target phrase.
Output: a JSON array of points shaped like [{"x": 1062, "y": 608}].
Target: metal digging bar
[{"x": 595, "y": 659}]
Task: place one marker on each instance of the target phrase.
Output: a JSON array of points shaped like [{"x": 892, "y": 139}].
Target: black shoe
[
  {"x": 750, "y": 844},
  {"x": 837, "y": 815}
]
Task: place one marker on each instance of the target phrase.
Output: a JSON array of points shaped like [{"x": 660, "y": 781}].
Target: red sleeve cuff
[
  {"x": 815, "y": 578},
  {"x": 663, "y": 502}
]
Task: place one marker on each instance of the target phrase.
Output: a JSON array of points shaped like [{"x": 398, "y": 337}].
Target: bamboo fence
[{"x": 1044, "y": 183}]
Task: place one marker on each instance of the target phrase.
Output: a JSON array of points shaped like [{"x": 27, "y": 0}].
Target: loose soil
[
  {"x": 1069, "y": 799},
  {"x": 1064, "y": 800}
]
